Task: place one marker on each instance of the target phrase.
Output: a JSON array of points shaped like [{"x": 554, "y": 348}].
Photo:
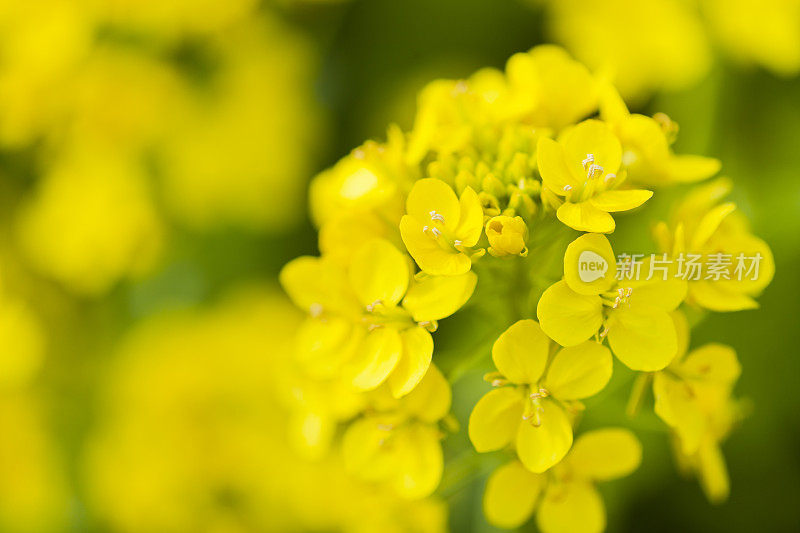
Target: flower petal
[
  {"x": 316, "y": 285},
  {"x": 606, "y": 454},
  {"x": 712, "y": 363},
  {"x": 613, "y": 201},
  {"x": 414, "y": 363},
  {"x": 430, "y": 400},
  {"x": 430, "y": 194},
  {"x": 642, "y": 337},
  {"x": 431, "y": 257},
  {"x": 596, "y": 138},
  {"x": 419, "y": 461},
  {"x": 471, "y": 221},
  {"x": 542, "y": 447},
  {"x": 438, "y": 297},
  {"x": 553, "y": 168},
  {"x": 495, "y": 418},
  {"x": 590, "y": 266},
  {"x": 713, "y": 472},
  {"x": 520, "y": 353},
  {"x": 568, "y": 317},
  {"x": 511, "y": 495},
  {"x": 575, "y": 507},
  {"x": 715, "y": 297},
  {"x": 379, "y": 272},
  {"x": 584, "y": 216},
  {"x": 375, "y": 358},
  {"x": 579, "y": 371},
  {"x": 675, "y": 406},
  {"x": 689, "y": 168}
]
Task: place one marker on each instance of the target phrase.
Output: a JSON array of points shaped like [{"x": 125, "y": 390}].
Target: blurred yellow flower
[
  {"x": 507, "y": 236},
  {"x": 566, "y": 501}
]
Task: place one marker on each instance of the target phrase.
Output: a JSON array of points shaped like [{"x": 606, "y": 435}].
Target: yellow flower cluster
[
  {"x": 518, "y": 164},
  {"x": 133, "y": 115}
]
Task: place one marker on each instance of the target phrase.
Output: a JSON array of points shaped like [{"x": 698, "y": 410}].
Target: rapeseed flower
[
  {"x": 633, "y": 314},
  {"x": 534, "y": 410},
  {"x": 565, "y": 499},
  {"x": 583, "y": 167},
  {"x": 440, "y": 228},
  {"x": 371, "y": 316}
]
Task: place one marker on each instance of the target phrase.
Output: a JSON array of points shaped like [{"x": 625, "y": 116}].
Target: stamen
[
  {"x": 436, "y": 216},
  {"x": 457, "y": 242},
  {"x": 436, "y": 232},
  {"x": 541, "y": 393},
  {"x": 588, "y": 161},
  {"x": 610, "y": 177},
  {"x": 315, "y": 310},
  {"x": 594, "y": 171},
  {"x": 371, "y": 307},
  {"x": 567, "y": 188}
]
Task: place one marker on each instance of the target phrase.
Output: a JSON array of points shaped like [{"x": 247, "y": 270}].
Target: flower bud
[{"x": 507, "y": 236}]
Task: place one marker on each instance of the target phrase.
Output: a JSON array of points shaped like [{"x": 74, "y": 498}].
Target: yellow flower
[
  {"x": 647, "y": 155},
  {"x": 507, "y": 236},
  {"x": 358, "y": 324},
  {"x": 583, "y": 168},
  {"x": 439, "y": 228},
  {"x": 634, "y": 314},
  {"x": 702, "y": 226},
  {"x": 399, "y": 443},
  {"x": 533, "y": 410},
  {"x": 740, "y": 25},
  {"x": 548, "y": 88},
  {"x": 566, "y": 501},
  {"x": 91, "y": 222},
  {"x": 641, "y": 46}
]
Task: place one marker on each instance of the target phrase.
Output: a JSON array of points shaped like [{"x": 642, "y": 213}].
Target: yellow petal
[
  {"x": 612, "y": 106},
  {"x": 709, "y": 224},
  {"x": 430, "y": 400},
  {"x": 579, "y": 371},
  {"x": 520, "y": 353},
  {"x": 323, "y": 346},
  {"x": 575, "y": 507},
  {"x": 437, "y": 297},
  {"x": 664, "y": 294},
  {"x": 511, "y": 495},
  {"x": 375, "y": 358},
  {"x": 715, "y": 297},
  {"x": 318, "y": 286},
  {"x": 613, "y": 201},
  {"x": 596, "y": 138},
  {"x": 606, "y": 454},
  {"x": 642, "y": 337},
  {"x": 379, "y": 272},
  {"x": 542, "y": 447},
  {"x": 552, "y": 163},
  {"x": 674, "y": 404},
  {"x": 431, "y": 257},
  {"x": 418, "y": 460},
  {"x": 712, "y": 363},
  {"x": 689, "y": 168},
  {"x": 495, "y": 419},
  {"x": 471, "y": 220},
  {"x": 414, "y": 363},
  {"x": 713, "y": 472},
  {"x": 568, "y": 317},
  {"x": 590, "y": 265},
  {"x": 584, "y": 216},
  {"x": 363, "y": 451},
  {"x": 431, "y": 194}
]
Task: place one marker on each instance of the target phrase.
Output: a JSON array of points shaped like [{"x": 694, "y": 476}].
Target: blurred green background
[{"x": 334, "y": 74}]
